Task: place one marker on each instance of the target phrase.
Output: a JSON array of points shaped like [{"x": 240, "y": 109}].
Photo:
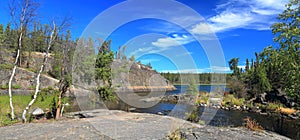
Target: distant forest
[{"x": 201, "y": 78}]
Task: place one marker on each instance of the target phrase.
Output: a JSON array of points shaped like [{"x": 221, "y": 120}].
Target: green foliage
[
  {"x": 204, "y": 78},
  {"x": 192, "y": 87},
  {"x": 45, "y": 102},
  {"x": 277, "y": 67},
  {"x": 273, "y": 106},
  {"x": 287, "y": 35},
  {"x": 2, "y": 35},
  {"x": 193, "y": 116},
  {"x": 233, "y": 65},
  {"x": 106, "y": 93},
  {"x": 103, "y": 71},
  {"x": 230, "y": 99}
]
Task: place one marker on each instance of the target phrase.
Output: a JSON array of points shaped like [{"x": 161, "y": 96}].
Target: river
[{"x": 275, "y": 123}]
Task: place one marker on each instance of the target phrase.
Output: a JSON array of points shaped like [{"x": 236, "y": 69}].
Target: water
[{"x": 275, "y": 123}]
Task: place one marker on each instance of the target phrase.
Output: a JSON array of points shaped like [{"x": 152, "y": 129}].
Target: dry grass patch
[
  {"x": 252, "y": 124},
  {"x": 286, "y": 111}
]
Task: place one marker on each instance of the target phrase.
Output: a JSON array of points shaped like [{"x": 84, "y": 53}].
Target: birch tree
[
  {"x": 22, "y": 14},
  {"x": 53, "y": 36}
]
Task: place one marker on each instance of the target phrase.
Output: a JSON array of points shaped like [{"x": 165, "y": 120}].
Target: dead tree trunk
[{"x": 52, "y": 38}]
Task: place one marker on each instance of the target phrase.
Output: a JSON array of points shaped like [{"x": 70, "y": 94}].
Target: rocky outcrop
[
  {"x": 227, "y": 133},
  {"x": 129, "y": 76},
  {"x": 113, "y": 124},
  {"x": 26, "y": 79}
]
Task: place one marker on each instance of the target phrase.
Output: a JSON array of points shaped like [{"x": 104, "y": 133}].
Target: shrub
[
  {"x": 193, "y": 116},
  {"x": 232, "y": 100},
  {"x": 176, "y": 135},
  {"x": 238, "y": 102},
  {"x": 273, "y": 106},
  {"x": 252, "y": 124}
]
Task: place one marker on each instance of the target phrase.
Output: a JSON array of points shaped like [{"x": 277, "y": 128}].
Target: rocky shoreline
[
  {"x": 187, "y": 99},
  {"x": 146, "y": 89},
  {"x": 115, "y": 124}
]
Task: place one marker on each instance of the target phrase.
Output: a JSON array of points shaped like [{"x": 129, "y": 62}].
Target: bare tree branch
[
  {"x": 27, "y": 14},
  {"x": 53, "y": 38}
]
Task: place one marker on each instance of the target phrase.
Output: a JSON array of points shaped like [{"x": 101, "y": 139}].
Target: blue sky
[{"x": 174, "y": 36}]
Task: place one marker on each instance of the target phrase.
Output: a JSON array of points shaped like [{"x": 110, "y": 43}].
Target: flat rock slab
[{"x": 113, "y": 124}]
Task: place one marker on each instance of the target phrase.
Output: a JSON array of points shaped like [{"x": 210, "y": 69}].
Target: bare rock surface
[{"x": 113, "y": 124}]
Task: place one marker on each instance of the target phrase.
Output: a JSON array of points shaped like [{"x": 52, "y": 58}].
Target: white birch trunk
[
  {"x": 38, "y": 76},
  {"x": 13, "y": 74}
]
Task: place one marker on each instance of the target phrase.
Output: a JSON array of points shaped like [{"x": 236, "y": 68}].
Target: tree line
[
  {"x": 277, "y": 67},
  {"x": 202, "y": 78},
  {"x": 26, "y": 35}
]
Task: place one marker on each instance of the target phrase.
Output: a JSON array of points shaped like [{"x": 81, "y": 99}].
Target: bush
[
  {"x": 230, "y": 99},
  {"x": 273, "y": 106},
  {"x": 252, "y": 124},
  {"x": 194, "y": 116}
]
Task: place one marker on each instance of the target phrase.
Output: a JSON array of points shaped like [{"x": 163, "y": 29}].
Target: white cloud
[
  {"x": 271, "y": 4},
  {"x": 256, "y": 14},
  {"x": 174, "y": 40},
  {"x": 141, "y": 50}
]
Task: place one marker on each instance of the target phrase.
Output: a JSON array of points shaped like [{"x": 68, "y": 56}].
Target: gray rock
[
  {"x": 114, "y": 124},
  {"x": 37, "y": 111}
]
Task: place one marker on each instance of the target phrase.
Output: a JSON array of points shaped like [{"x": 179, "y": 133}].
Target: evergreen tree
[
  {"x": 104, "y": 60},
  {"x": 2, "y": 35}
]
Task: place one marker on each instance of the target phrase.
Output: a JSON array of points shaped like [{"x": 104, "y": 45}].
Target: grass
[
  {"x": 44, "y": 101},
  {"x": 202, "y": 98},
  {"x": 230, "y": 99}
]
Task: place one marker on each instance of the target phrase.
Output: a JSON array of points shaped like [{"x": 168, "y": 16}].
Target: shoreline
[{"x": 103, "y": 123}]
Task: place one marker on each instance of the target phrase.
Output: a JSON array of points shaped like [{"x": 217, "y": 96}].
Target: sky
[{"x": 174, "y": 36}]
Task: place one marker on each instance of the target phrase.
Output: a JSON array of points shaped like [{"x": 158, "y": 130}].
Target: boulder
[{"x": 37, "y": 111}]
